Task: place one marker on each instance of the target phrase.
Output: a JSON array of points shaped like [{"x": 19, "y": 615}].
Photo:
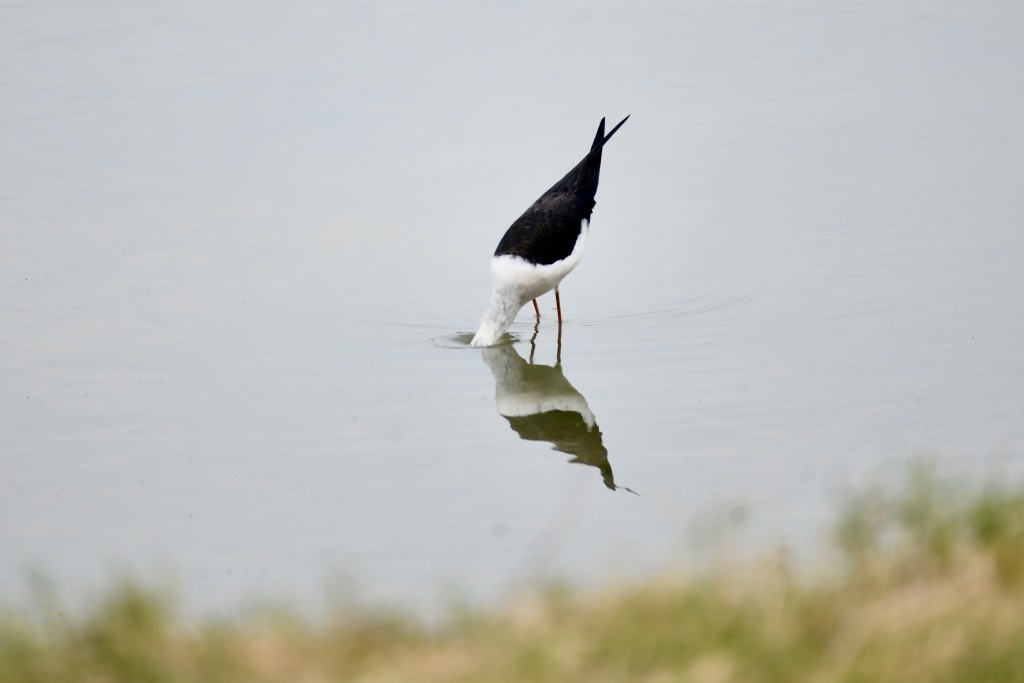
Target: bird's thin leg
[
  {"x": 536, "y": 307},
  {"x": 558, "y": 303}
]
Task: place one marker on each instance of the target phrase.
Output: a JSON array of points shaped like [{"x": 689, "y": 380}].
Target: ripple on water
[
  {"x": 660, "y": 314},
  {"x": 459, "y": 340}
]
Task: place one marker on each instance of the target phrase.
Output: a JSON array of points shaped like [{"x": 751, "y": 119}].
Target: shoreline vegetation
[{"x": 928, "y": 585}]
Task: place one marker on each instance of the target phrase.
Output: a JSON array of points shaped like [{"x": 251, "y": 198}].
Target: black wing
[{"x": 547, "y": 231}]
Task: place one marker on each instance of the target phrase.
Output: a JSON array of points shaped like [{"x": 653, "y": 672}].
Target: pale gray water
[{"x": 240, "y": 246}]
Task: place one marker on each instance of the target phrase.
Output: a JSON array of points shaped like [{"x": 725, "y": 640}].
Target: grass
[{"x": 928, "y": 586}]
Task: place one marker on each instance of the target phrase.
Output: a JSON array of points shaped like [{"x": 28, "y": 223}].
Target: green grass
[{"x": 928, "y": 586}]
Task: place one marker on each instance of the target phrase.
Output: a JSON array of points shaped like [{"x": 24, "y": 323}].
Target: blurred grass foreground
[{"x": 928, "y": 586}]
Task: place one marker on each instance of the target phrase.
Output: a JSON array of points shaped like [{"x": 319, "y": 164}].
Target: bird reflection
[{"x": 541, "y": 405}]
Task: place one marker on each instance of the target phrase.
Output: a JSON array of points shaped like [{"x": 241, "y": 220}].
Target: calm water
[{"x": 241, "y": 248}]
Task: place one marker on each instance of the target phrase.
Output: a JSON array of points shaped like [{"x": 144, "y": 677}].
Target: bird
[{"x": 543, "y": 245}]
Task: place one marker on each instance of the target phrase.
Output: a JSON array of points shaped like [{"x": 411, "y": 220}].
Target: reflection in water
[{"x": 541, "y": 405}]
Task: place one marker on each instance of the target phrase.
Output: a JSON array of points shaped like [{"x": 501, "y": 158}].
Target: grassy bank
[{"x": 928, "y": 586}]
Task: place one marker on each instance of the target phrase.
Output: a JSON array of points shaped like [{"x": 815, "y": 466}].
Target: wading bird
[{"x": 543, "y": 245}]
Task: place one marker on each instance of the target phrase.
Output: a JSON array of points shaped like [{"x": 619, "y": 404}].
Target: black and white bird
[{"x": 543, "y": 245}]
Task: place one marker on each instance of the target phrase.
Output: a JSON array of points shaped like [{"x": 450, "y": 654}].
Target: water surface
[{"x": 242, "y": 247}]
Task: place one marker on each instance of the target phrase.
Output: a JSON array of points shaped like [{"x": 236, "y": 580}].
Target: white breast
[
  {"x": 530, "y": 280},
  {"x": 517, "y": 281}
]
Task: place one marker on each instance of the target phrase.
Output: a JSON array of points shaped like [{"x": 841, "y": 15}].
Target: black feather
[{"x": 547, "y": 231}]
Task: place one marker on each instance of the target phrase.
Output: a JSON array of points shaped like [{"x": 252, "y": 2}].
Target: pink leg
[
  {"x": 536, "y": 307},
  {"x": 558, "y": 303}
]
